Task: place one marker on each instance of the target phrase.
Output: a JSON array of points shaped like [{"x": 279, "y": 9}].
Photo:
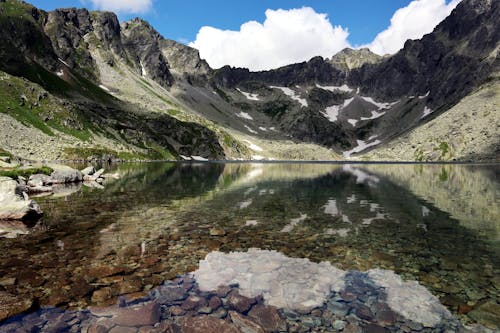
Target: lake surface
[{"x": 305, "y": 239}]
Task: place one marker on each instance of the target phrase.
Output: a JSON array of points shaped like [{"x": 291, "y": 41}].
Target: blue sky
[
  {"x": 181, "y": 20},
  {"x": 294, "y": 34}
]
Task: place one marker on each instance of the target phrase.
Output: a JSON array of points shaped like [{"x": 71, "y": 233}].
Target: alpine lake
[{"x": 270, "y": 247}]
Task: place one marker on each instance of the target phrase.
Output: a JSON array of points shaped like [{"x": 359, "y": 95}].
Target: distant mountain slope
[{"x": 466, "y": 132}]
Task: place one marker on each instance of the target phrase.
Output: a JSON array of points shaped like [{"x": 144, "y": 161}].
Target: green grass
[
  {"x": 10, "y": 104},
  {"x": 33, "y": 112},
  {"x": 26, "y": 173},
  {"x": 445, "y": 148},
  {"x": 5, "y": 153}
]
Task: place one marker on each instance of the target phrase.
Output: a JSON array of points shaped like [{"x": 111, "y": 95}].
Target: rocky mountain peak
[
  {"x": 183, "y": 59},
  {"x": 349, "y": 59},
  {"x": 142, "y": 44}
]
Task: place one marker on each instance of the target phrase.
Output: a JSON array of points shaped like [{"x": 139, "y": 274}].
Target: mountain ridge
[{"x": 349, "y": 104}]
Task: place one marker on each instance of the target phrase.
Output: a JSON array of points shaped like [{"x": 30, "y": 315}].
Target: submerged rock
[{"x": 11, "y": 305}]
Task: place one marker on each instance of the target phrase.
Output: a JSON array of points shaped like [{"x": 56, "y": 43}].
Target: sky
[{"x": 265, "y": 34}]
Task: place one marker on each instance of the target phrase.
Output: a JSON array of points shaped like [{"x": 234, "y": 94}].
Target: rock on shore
[{"x": 14, "y": 203}]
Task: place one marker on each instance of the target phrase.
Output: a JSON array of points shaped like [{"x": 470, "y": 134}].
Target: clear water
[{"x": 436, "y": 224}]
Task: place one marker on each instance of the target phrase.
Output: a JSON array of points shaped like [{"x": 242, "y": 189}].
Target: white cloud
[
  {"x": 285, "y": 37},
  {"x": 420, "y": 17},
  {"x": 123, "y": 6}
]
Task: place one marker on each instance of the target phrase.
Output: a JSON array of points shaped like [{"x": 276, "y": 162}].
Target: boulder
[
  {"x": 13, "y": 204},
  {"x": 39, "y": 180},
  {"x": 136, "y": 316},
  {"x": 88, "y": 171},
  {"x": 64, "y": 174}
]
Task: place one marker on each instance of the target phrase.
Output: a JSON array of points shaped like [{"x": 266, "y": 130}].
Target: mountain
[{"x": 80, "y": 84}]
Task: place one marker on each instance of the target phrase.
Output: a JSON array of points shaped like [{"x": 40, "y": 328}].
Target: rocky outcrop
[
  {"x": 141, "y": 42},
  {"x": 459, "y": 55},
  {"x": 183, "y": 59},
  {"x": 14, "y": 202},
  {"x": 67, "y": 29}
]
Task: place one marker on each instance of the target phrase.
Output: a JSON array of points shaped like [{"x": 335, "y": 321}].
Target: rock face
[
  {"x": 460, "y": 54},
  {"x": 13, "y": 204},
  {"x": 142, "y": 44},
  {"x": 183, "y": 59}
]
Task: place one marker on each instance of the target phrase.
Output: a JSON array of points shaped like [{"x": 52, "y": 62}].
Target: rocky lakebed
[{"x": 211, "y": 247}]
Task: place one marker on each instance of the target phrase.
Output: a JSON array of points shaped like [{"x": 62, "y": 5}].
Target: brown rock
[
  {"x": 96, "y": 328},
  {"x": 81, "y": 288},
  {"x": 101, "y": 295},
  {"x": 11, "y": 305},
  {"x": 245, "y": 324},
  {"x": 207, "y": 324},
  {"x": 352, "y": 328},
  {"x": 129, "y": 286},
  {"x": 136, "y": 316},
  {"x": 105, "y": 271},
  {"x": 374, "y": 328},
  {"x": 464, "y": 308},
  {"x": 267, "y": 317},
  {"x": 222, "y": 291},
  {"x": 176, "y": 311},
  {"x": 240, "y": 303},
  {"x": 118, "y": 329},
  {"x": 193, "y": 302},
  {"x": 386, "y": 318},
  {"x": 215, "y": 302}
]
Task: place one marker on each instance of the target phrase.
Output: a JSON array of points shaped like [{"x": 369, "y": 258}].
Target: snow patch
[
  {"x": 64, "y": 62},
  {"x": 60, "y": 73},
  {"x": 258, "y": 158},
  {"x": 244, "y": 115},
  {"x": 369, "y": 221},
  {"x": 427, "y": 111},
  {"x": 361, "y": 177},
  {"x": 253, "y": 146},
  {"x": 381, "y": 106},
  {"x": 263, "y": 129},
  {"x": 294, "y": 222},
  {"x": 290, "y": 93},
  {"x": 332, "y": 112},
  {"x": 199, "y": 158},
  {"x": 362, "y": 145},
  {"x": 425, "y": 96},
  {"x": 251, "y": 223},
  {"x": 374, "y": 115},
  {"x": 343, "y": 232},
  {"x": 331, "y": 208},
  {"x": 353, "y": 122},
  {"x": 343, "y": 88},
  {"x": 250, "y": 129},
  {"x": 249, "y": 96},
  {"x": 144, "y": 73},
  {"x": 245, "y": 204},
  {"x": 104, "y": 88},
  {"x": 425, "y": 211}
]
